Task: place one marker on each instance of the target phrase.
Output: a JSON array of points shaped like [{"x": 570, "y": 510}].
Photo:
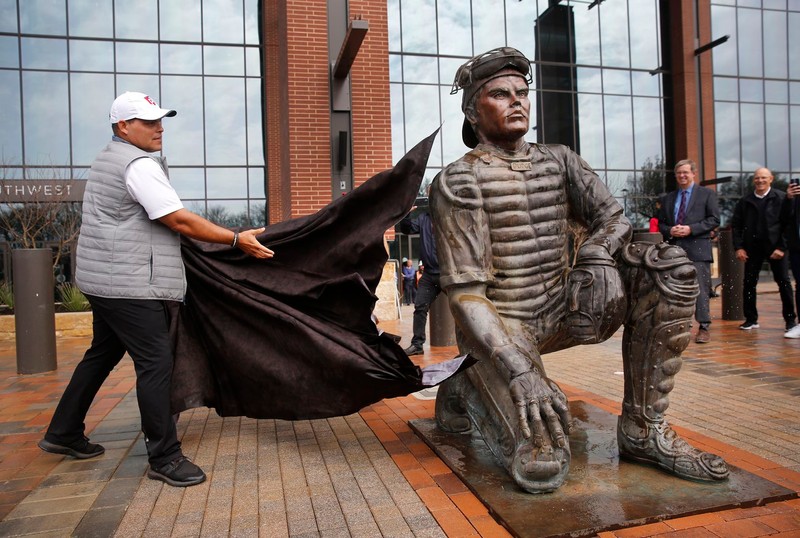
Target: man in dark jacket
[
  {"x": 758, "y": 237},
  {"x": 428, "y": 286},
  {"x": 790, "y": 218},
  {"x": 686, "y": 218}
]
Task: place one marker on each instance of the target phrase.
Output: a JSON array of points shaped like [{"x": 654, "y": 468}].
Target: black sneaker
[
  {"x": 414, "y": 350},
  {"x": 748, "y": 325},
  {"x": 180, "y": 473},
  {"x": 82, "y": 449}
]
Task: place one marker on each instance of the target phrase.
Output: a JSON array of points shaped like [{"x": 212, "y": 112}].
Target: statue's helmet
[{"x": 479, "y": 70}]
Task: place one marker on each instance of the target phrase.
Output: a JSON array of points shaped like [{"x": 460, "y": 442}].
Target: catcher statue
[{"x": 536, "y": 256}]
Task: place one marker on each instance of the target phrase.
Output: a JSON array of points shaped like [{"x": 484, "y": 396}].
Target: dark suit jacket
[{"x": 702, "y": 216}]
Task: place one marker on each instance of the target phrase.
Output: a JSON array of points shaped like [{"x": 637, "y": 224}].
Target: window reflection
[
  {"x": 455, "y": 28},
  {"x": 420, "y": 69},
  {"x": 488, "y": 24},
  {"x": 92, "y": 95},
  {"x": 46, "y": 111},
  {"x": 44, "y": 53},
  {"x": 647, "y": 130},
  {"x": 8, "y": 16},
  {"x": 614, "y": 34},
  {"x": 592, "y": 131},
  {"x": 416, "y": 32},
  {"x": 226, "y": 183},
  {"x": 752, "y": 123},
  {"x": 421, "y": 114},
  {"x": 723, "y": 22},
  {"x": 776, "y": 91},
  {"x": 39, "y": 17},
  {"x": 223, "y": 60},
  {"x": 644, "y": 25},
  {"x": 398, "y": 124},
  {"x": 255, "y": 128},
  {"x": 11, "y": 133},
  {"x": 794, "y": 46},
  {"x": 520, "y": 18},
  {"x": 751, "y": 90},
  {"x": 137, "y": 57},
  {"x": 90, "y": 18},
  {"x": 9, "y": 52},
  {"x": 794, "y": 123},
  {"x": 616, "y": 81},
  {"x": 222, "y": 21},
  {"x": 775, "y": 44},
  {"x": 183, "y": 134},
  {"x": 225, "y": 138},
  {"x": 183, "y": 27},
  {"x": 750, "y": 43},
  {"x": 91, "y": 56},
  {"x": 777, "y": 132},
  {"x": 726, "y": 89},
  {"x": 618, "y": 122},
  {"x": 587, "y": 36},
  {"x": 182, "y": 59},
  {"x": 257, "y": 182},
  {"x": 189, "y": 183},
  {"x": 135, "y": 20}
]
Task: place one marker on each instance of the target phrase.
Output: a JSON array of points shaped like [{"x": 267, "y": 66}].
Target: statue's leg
[
  {"x": 480, "y": 398},
  {"x": 662, "y": 287}
]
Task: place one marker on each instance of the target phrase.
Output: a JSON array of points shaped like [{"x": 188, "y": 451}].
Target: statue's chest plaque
[{"x": 521, "y": 166}]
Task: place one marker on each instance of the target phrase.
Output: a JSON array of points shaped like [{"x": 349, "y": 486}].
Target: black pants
[
  {"x": 427, "y": 292},
  {"x": 141, "y": 328},
  {"x": 780, "y": 273}
]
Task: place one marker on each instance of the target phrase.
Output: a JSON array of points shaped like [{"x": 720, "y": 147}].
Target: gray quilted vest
[{"x": 121, "y": 252}]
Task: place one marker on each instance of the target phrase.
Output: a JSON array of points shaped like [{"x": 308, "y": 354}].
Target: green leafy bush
[{"x": 6, "y": 295}]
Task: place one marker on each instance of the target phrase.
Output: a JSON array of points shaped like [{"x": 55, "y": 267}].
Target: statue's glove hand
[
  {"x": 539, "y": 401},
  {"x": 591, "y": 254},
  {"x": 596, "y": 302}
]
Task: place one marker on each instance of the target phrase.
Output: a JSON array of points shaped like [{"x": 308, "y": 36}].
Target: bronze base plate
[{"x": 601, "y": 493}]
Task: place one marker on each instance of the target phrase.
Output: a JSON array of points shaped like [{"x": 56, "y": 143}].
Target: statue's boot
[
  {"x": 662, "y": 291},
  {"x": 479, "y": 399}
]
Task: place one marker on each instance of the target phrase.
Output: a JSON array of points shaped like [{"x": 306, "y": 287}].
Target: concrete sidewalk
[{"x": 367, "y": 474}]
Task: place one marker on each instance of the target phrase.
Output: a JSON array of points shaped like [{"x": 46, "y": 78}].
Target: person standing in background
[
  {"x": 758, "y": 236},
  {"x": 686, "y": 218}
]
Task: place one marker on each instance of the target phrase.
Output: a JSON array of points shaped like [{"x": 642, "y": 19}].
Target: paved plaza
[{"x": 368, "y": 474}]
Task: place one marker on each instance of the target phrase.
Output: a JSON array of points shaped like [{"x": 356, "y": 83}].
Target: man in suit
[
  {"x": 758, "y": 237},
  {"x": 687, "y": 216}
]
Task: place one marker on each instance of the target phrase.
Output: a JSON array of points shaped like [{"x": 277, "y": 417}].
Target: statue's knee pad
[{"x": 596, "y": 303}]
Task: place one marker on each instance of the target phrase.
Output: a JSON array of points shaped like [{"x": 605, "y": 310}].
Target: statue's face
[{"x": 502, "y": 110}]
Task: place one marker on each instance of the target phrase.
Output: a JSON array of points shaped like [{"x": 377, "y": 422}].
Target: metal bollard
[
  {"x": 34, "y": 310},
  {"x": 731, "y": 273}
]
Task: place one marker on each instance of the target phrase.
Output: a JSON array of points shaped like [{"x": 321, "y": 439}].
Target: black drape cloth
[{"x": 292, "y": 337}]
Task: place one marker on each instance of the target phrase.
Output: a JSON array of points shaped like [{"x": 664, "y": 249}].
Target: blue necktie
[{"x": 681, "y": 209}]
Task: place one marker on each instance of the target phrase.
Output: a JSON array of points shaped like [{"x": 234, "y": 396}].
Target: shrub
[
  {"x": 6, "y": 295},
  {"x": 72, "y": 299}
]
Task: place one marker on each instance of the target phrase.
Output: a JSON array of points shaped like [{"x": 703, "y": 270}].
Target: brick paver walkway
[{"x": 367, "y": 474}]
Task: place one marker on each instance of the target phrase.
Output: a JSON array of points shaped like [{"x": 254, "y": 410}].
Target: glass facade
[
  {"x": 63, "y": 62},
  {"x": 756, "y": 91},
  {"x": 596, "y": 75}
]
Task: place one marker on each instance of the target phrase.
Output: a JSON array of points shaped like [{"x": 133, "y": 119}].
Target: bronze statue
[{"x": 535, "y": 257}]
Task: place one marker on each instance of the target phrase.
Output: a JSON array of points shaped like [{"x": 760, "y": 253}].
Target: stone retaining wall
[{"x": 68, "y": 324}]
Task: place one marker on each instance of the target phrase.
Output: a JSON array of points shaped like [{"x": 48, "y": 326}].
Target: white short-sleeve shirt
[{"x": 148, "y": 184}]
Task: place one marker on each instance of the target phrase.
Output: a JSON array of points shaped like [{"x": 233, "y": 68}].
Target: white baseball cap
[{"x": 131, "y": 105}]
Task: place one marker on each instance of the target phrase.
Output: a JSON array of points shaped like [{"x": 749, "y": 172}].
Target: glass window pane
[
  {"x": 90, "y": 18},
  {"x": 776, "y": 91},
  {"x": 752, "y": 123},
  {"x": 614, "y": 34},
  {"x": 10, "y": 119},
  {"x": 137, "y": 57},
  {"x": 225, "y": 138},
  {"x": 136, "y": 20},
  {"x": 646, "y": 84},
  {"x": 223, "y": 21},
  {"x": 448, "y": 68},
  {"x": 227, "y": 182},
  {"x": 619, "y": 123},
  {"x": 520, "y": 18},
  {"x": 8, "y": 16},
  {"x": 420, "y": 69},
  {"x": 43, "y": 17},
  {"x": 91, "y": 55},
  {"x": 452, "y": 120},
  {"x": 251, "y": 25},
  {"x": 183, "y": 134},
  {"x": 644, "y": 30},
  {"x": 726, "y": 89},
  {"x": 223, "y": 60},
  {"x": 750, "y": 44},
  {"x": 256, "y": 182},
  {"x": 138, "y": 83},
  {"x": 455, "y": 28},
  {"x": 182, "y": 59},
  {"x": 794, "y": 47},
  {"x": 416, "y": 16},
  {"x": 45, "y": 111},
  {"x": 398, "y": 125},
  {"x": 43, "y": 53},
  {"x": 252, "y": 62},
  {"x": 775, "y": 44},
  {"x": 723, "y": 22},
  {"x": 255, "y": 124},
  {"x": 227, "y": 213},
  {"x": 777, "y": 129},
  {"x": 393, "y": 13},
  {"x": 488, "y": 25},
  {"x": 180, "y": 20},
  {"x": 647, "y": 130},
  {"x": 774, "y": 4},
  {"x": 590, "y": 129},
  {"x": 794, "y": 93},
  {"x": 587, "y": 36},
  {"x": 189, "y": 183},
  {"x": 589, "y": 80},
  {"x": 616, "y": 81},
  {"x": 395, "y": 68},
  {"x": 794, "y": 123},
  {"x": 9, "y": 52},
  {"x": 750, "y": 3},
  {"x": 422, "y": 114},
  {"x": 92, "y": 95},
  {"x": 751, "y": 90}
]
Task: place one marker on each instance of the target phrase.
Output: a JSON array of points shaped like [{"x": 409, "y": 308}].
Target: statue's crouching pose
[{"x": 505, "y": 217}]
